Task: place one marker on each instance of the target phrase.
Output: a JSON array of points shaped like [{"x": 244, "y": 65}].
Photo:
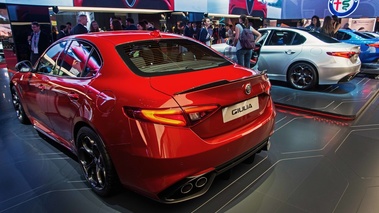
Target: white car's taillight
[{"x": 348, "y": 54}]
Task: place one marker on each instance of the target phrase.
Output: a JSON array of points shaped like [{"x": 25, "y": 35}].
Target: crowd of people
[
  {"x": 329, "y": 27},
  {"x": 205, "y": 31}
]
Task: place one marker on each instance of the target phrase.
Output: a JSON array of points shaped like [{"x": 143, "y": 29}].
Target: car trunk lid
[{"x": 241, "y": 95}]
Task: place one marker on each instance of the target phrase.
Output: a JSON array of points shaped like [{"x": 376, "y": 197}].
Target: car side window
[
  {"x": 342, "y": 36},
  {"x": 298, "y": 39},
  {"x": 276, "y": 38},
  {"x": 288, "y": 37},
  {"x": 48, "y": 62},
  {"x": 93, "y": 64},
  {"x": 80, "y": 60},
  {"x": 281, "y": 37}
]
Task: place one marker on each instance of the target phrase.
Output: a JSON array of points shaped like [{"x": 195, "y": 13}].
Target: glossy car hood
[{"x": 180, "y": 83}]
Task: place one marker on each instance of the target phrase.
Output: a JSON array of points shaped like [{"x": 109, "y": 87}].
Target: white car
[
  {"x": 230, "y": 51},
  {"x": 226, "y": 49},
  {"x": 305, "y": 59},
  {"x": 302, "y": 58}
]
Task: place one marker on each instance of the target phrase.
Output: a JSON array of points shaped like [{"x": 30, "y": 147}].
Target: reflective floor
[{"x": 324, "y": 157}]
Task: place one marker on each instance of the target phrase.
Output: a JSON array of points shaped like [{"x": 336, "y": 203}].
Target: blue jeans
[{"x": 243, "y": 57}]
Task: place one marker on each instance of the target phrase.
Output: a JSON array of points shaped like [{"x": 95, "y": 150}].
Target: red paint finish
[{"x": 161, "y": 121}]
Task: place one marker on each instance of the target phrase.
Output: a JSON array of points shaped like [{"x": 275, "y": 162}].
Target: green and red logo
[{"x": 342, "y": 8}]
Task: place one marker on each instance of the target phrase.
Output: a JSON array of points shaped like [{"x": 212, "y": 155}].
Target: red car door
[
  {"x": 67, "y": 96},
  {"x": 65, "y": 100},
  {"x": 34, "y": 87}
]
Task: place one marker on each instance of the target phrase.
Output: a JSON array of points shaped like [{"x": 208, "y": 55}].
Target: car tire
[
  {"x": 302, "y": 76},
  {"x": 96, "y": 164},
  {"x": 20, "y": 112}
]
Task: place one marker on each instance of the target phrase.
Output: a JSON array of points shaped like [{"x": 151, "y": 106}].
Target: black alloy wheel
[
  {"x": 95, "y": 162},
  {"x": 20, "y": 113},
  {"x": 302, "y": 75}
]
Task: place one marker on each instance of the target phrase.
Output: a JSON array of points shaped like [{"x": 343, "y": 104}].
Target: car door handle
[
  {"x": 73, "y": 96},
  {"x": 289, "y": 52}
]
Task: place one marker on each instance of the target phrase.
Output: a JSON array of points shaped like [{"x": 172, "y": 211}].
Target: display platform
[
  {"x": 344, "y": 101},
  {"x": 315, "y": 164}
]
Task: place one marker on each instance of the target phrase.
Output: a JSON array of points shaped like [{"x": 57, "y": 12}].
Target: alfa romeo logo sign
[{"x": 342, "y": 8}]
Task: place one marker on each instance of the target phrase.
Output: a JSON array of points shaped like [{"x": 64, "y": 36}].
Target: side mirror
[{"x": 24, "y": 66}]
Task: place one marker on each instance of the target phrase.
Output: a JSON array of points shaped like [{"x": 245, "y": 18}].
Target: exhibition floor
[{"x": 324, "y": 157}]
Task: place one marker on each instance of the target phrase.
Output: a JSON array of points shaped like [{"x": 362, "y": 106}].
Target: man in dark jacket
[
  {"x": 80, "y": 28},
  {"x": 130, "y": 24},
  {"x": 62, "y": 32},
  {"x": 39, "y": 41}
]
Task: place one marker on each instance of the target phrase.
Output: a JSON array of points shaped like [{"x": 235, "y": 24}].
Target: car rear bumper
[
  {"x": 335, "y": 75},
  {"x": 168, "y": 177}
]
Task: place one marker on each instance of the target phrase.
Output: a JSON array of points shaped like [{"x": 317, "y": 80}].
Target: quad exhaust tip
[
  {"x": 198, "y": 183},
  {"x": 186, "y": 188}
]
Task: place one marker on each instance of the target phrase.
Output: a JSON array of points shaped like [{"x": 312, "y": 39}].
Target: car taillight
[
  {"x": 376, "y": 45},
  {"x": 266, "y": 84},
  {"x": 267, "y": 87},
  {"x": 185, "y": 116},
  {"x": 343, "y": 54}
]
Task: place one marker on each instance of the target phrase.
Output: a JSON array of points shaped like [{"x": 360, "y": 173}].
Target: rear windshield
[
  {"x": 168, "y": 56},
  {"x": 324, "y": 38}
]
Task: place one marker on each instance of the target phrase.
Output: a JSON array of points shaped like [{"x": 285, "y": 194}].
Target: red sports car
[
  {"x": 256, "y": 8},
  {"x": 162, "y": 114}
]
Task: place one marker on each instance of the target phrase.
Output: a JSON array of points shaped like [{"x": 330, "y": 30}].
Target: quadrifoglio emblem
[{"x": 342, "y": 8}]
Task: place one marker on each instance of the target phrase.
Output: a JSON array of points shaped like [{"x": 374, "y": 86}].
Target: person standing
[
  {"x": 188, "y": 31},
  {"x": 130, "y": 24},
  {"x": 111, "y": 21},
  {"x": 222, "y": 32},
  {"x": 54, "y": 33},
  {"x": 230, "y": 32},
  {"x": 195, "y": 31},
  {"x": 62, "y": 32},
  {"x": 39, "y": 42},
  {"x": 141, "y": 25},
  {"x": 336, "y": 24},
  {"x": 68, "y": 28},
  {"x": 244, "y": 55},
  {"x": 116, "y": 25},
  {"x": 315, "y": 24},
  {"x": 94, "y": 27},
  {"x": 80, "y": 28},
  {"x": 327, "y": 27},
  {"x": 215, "y": 34},
  {"x": 204, "y": 36}
]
